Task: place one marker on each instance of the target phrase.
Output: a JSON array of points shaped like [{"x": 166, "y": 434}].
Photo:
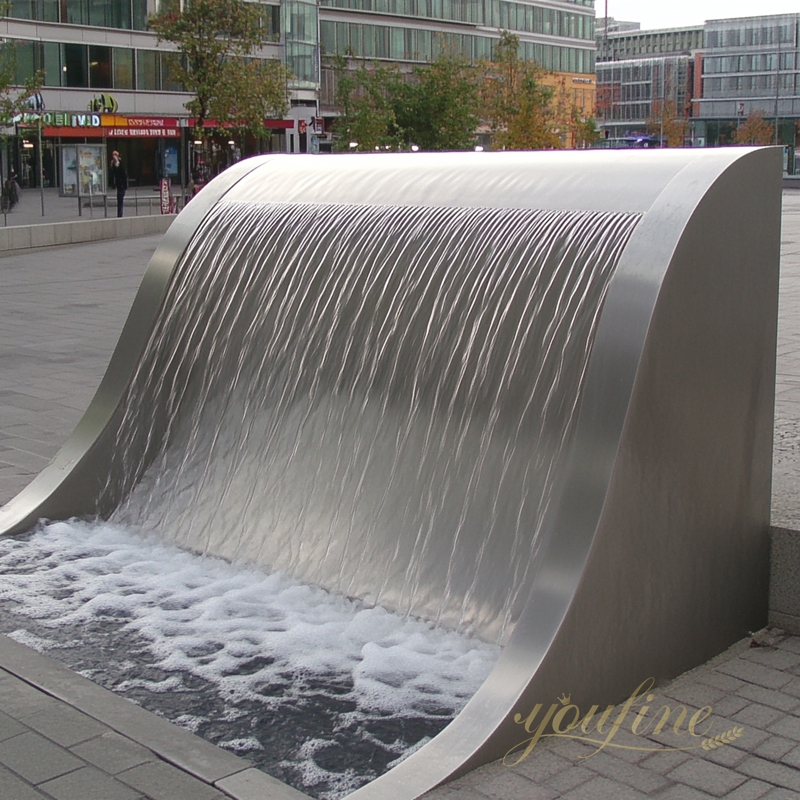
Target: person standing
[{"x": 119, "y": 180}]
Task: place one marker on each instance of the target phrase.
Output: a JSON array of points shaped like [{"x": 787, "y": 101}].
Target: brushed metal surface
[{"x": 655, "y": 555}]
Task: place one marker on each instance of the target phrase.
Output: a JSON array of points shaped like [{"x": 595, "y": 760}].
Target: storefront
[{"x": 150, "y": 148}]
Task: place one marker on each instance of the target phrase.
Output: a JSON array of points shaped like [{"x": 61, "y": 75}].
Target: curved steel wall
[{"x": 655, "y": 555}]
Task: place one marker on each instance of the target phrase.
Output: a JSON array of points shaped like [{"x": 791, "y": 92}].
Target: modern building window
[
  {"x": 74, "y": 65},
  {"x": 42, "y": 10},
  {"x": 123, "y": 68},
  {"x": 100, "y": 76},
  {"x": 25, "y": 55},
  {"x": 148, "y": 70},
  {"x": 51, "y": 63},
  {"x": 168, "y": 80}
]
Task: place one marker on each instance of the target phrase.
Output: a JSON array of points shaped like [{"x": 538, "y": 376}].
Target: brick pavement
[{"x": 61, "y": 737}]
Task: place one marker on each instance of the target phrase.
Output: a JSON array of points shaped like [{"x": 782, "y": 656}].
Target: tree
[
  {"x": 584, "y": 129},
  {"x": 435, "y": 107},
  {"x": 755, "y": 130},
  {"x": 365, "y": 96},
  {"x": 518, "y": 106},
  {"x": 439, "y": 108},
  {"x": 218, "y": 41},
  {"x": 666, "y": 123}
]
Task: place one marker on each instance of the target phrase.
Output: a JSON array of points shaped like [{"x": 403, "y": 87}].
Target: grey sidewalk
[
  {"x": 62, "y": 311},
  {"x": 140, "y": 200}
]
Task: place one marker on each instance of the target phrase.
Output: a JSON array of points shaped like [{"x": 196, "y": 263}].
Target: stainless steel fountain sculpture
[{"x": 649, "y": 553}]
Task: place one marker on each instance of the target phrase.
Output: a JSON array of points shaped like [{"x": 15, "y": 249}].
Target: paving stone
[
  {"x": 720, "y": 680},
  {"x": 709, "y": 777},
  {"x": 665, "y": 761},
  {"x": 507, "y": 783},
  {"x": 18, "y": 699},
  {"x": 642, "y": 780},
  {"x": 600, "y": 788},
  {"x": 769, "y": 697},
  {"x": 780, "y": 794},
  {"x": 791, "y": 757},
  {"x": 541, "y": 765},
  {"x": 10, "y": 727},
  {"x": 779, "y": 659},
  {"x": 65, "y": 725},
  {"x": 751, "y": 739},
  {"x": 729, "y": 705},
  {"x": 569, "y": 779},
  {"x": 750, "y": 790},
  {"x": 770, "y": 772},
  {"x": 695, "y": 694},
  {"x": 14, "y": 789},
  {"x": 452, "y": 790},
  {"x": 162, "y": 782},
  {"x": 775, "y": 748},
  {"x": 758, "y": 716},
  {"x": 790, "y": 643},
  {"x": 725, "y": 756},
  {"x": 626, "y": 746},
  {"x": 89, "y": 784},
  {"x": 788, "y": 727},
  {"x": 681, "y": 792},
  {"x": 113, "y": 753},
  {"x": 751, "y": 672},
  {"x": 35, "y": 758}
]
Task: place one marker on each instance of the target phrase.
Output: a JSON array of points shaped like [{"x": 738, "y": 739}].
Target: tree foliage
[
  {"x": 666, "y": 122},
  {"x": 518, "y": 106},
  {"x": 439, "y": 108},
  {"x": 366, "y": 97},
  {"x": 217, "y": 43},
  {"x": 755, "y": 130},
  {"x": 434, "y": 107},
  {"x": 442, "y": 105},
  {"x": 584, "y": 129}
]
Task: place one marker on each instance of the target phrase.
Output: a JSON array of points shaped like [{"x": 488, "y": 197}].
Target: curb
[{"x": 29, "y": 237}]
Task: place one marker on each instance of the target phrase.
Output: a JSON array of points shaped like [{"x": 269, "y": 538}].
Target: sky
[{"x": 680, "y": 13}]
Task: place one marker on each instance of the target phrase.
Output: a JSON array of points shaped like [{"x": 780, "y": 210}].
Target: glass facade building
[
  {"x": 632, "y": 94},
  {"x": 750, "y": 64},
  {"x": 98, "y": 55}
]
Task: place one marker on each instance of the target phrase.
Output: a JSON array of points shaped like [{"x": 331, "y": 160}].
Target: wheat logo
[{"x": 723, "y": 738}]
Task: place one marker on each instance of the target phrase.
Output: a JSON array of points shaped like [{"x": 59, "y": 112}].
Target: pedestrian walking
[{"x": 119, "y": 180}]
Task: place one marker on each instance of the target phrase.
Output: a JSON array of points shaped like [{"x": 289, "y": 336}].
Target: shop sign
[
  {"x": 139, "y": 132},
  {"x": 65, "y": 119},
  {"x": 104, "y": 102},
  {"x": 67, "y": 124}
]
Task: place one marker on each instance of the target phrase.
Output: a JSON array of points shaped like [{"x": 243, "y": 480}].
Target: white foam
[{"x": 254, "y": 636}]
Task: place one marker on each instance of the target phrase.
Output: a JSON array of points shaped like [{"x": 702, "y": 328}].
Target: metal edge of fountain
[
  {"x": 558, "y": 639},
  {"x": 587, "y": 632},
  {"x": 70, "y": 484}
]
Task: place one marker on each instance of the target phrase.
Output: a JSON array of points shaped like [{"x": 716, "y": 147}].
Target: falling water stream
[{"x": 377, "y": 401}]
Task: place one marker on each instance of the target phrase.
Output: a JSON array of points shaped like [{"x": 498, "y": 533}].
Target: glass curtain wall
[
  {"x": 126, "y": 14},
  {"x": 300, "y": 25}
]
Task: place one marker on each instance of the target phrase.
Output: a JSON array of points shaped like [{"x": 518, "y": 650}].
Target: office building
[{"x": 106, "y": 80}]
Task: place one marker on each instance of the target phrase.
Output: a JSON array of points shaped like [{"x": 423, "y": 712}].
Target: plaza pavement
[
  {"x": 140, "y": 200},
  {"x": 63, "y": 738}
]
